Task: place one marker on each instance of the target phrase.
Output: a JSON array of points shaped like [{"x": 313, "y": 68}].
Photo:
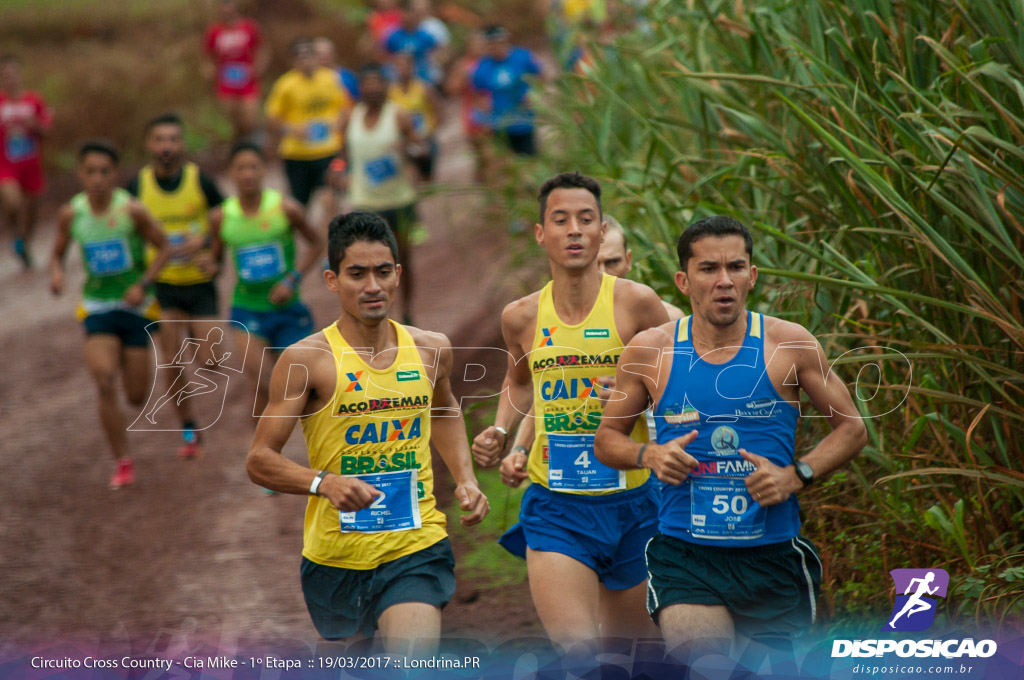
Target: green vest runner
[
  {"x": 263, "y": 249},
  {"x": 112, "y": 250}
]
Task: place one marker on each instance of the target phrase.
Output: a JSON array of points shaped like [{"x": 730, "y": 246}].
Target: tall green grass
[{"x": 877, "y": 150}]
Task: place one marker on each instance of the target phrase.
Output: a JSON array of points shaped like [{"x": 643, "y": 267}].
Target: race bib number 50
[
  {"x": 396, "y": 509},
  {"x": 721, "y": 508},
  {"x": 573, "y": 466}
]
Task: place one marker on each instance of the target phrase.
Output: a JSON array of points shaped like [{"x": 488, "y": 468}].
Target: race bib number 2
[
  {"x": 721, "y": 508},
  {"x": 396, "y": 509},
  {"x": 573, "y": 466}
]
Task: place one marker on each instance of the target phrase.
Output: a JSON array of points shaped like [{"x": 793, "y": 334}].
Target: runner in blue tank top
[{"x": 728, "y": 558}]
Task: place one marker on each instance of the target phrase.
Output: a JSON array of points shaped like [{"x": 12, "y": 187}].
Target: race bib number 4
[
  {"x": 260, "y": 262},
  {"x": 106, "y": 258},
  {"x": 572, "y": 465},
  {"x": 721, "y": 508},
  {"x": 396, "y": 509}
]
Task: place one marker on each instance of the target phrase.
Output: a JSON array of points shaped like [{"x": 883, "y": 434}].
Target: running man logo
[
  {"x": 914, "y": 610},
  {"x": 548, "y": 339},
  {"x": 353, "y": 385}
]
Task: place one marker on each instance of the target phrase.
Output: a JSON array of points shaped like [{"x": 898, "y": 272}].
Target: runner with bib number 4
[
  {"x": 728, "y": 558},
  {"x": 376, "y": 554}
]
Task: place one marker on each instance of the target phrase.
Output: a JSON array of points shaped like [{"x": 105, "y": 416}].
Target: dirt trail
[{"x": 194, "y": 549}]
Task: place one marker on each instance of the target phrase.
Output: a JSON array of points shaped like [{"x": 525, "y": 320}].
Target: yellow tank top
[
  {"x": 416, "y": 102},
  {"x": 377, "y": 421},
  {"x": 565, "y": 362},
  {"x": 181, "y": 213}
]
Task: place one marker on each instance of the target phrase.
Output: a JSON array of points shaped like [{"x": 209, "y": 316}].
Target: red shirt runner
[
  {"x": 233, "y": 49},
  {"x": 20, "y": 142}
]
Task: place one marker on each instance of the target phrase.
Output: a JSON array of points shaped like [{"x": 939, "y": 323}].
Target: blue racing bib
[
  {"x": 396, "y": 509},
  {"x": 260, "y": 262},
  {"x": 573, "y": 466},
  {"x": 19, "y": 147},
  {"x": 105, "y": 258},
  {"x": 235, "y": 74},
  {"x": 380, "y": 170},
  {"x": 317, "y": 132},
  {"x": 721, "y": 508}
]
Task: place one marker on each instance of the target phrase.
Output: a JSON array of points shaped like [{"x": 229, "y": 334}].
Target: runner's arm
[
  {"x": 516, "y": 397},
  {"x": 216, "y": 221},
  {"x": 265, "y": 463},
  {"x": 448, "y": 432},
  {"x": 830, "y": 396},
  {"x": 637, "y": 370},
  {"x": 408, "y": 128},
  {"x": 296, "y": 215},
  {"x": 60, "y": 249},
  {"x": 149, "y": 229}
]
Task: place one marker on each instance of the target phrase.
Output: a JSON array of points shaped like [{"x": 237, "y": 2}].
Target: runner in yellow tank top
[
  {"x": 375, "y": 553},
  {"x": 584, "y": 551},
  {"x": 180, "y": 196}
]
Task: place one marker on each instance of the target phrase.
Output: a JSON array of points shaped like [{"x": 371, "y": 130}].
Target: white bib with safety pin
[
  {"x": 573, "y": 466},
  {"x": 721, "y": 508},
  {"x": 396, "y": 509}
]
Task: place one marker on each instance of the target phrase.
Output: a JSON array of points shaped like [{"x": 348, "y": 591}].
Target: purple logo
[{"x": 916, "y": 590}]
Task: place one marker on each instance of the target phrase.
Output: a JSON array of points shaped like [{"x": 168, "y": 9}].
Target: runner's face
[
  {"x": 366, "y": 280},
  {"x": 166, "y": 145},
  {"x": 717, "y": 279},
  {"x": 305, "y": 59},
  {"x": 613, "y": 259},
  {"x": 247, "y": 172},
  {"x": 372, "y": 90},
  {"x": 10, "y": 76},
  {"x": 572, "y": 231},
  {"x": 98, "y": 174}
]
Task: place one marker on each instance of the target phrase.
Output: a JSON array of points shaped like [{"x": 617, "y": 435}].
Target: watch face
[{"x": 804, "y": 472}]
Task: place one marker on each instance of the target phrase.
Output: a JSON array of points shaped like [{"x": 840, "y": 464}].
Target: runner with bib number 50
[
  {"x": 728, "y": 559},
  {"x": 376, "y": 554}
]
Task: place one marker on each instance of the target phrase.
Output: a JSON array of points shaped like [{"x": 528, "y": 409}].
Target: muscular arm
[
  {"x": 771, "y": 484},
  {"x": 448, "y": 433},
  {"x": 636, "y": 376},
  {"x": 265, "y": 463},
  {"x": 517, "y": 389}
]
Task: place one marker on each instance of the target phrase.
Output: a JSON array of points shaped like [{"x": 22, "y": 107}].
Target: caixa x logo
[{"x": 914, "y": 609}]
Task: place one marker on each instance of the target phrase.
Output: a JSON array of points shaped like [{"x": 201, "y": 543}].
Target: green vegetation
[{"x": 877, "y": 150}]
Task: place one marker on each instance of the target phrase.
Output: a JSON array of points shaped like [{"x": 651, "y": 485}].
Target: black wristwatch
[{"x": 804, "y": 472}]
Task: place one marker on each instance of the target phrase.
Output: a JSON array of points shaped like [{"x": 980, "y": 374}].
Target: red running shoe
[{"x": 124, "y": 475}]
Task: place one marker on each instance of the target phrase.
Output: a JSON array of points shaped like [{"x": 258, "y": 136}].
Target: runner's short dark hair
[
  {"x": 348, "y": 228},
  {"x": 495, "y": 32},
  {"x": 165, "y": 119},
  {"x": 373, "y": 68},
  {"x": 568, "y": 180},
  {"x": 716, "y": 225},
  {"x": 102, "y": 146},
  {"x": 245, "y": 146},
  {"x": 298, "y": 43}
]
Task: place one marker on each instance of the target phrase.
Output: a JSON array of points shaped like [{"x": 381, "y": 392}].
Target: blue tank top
[{"x": 731, "y": 405}]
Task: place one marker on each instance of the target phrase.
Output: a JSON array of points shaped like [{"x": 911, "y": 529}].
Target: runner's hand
[
  {"x": 473, "y": 501},
  {"x": 770, "y": 484},
  {"x": 488, "y": 445},
  {"x": 513, "y": 469},
  {"x": 281, "y": 293},
  {"x": 670, "y": 462},
  {"x": 190, "y": 246},
  {"x": 348, "y": 494},
  {"x": 135, "y": 295},
  {"x": 57, "y": 281},
  {"x": 207, "y": 264},
  {"x": 607, "y": 384}
]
